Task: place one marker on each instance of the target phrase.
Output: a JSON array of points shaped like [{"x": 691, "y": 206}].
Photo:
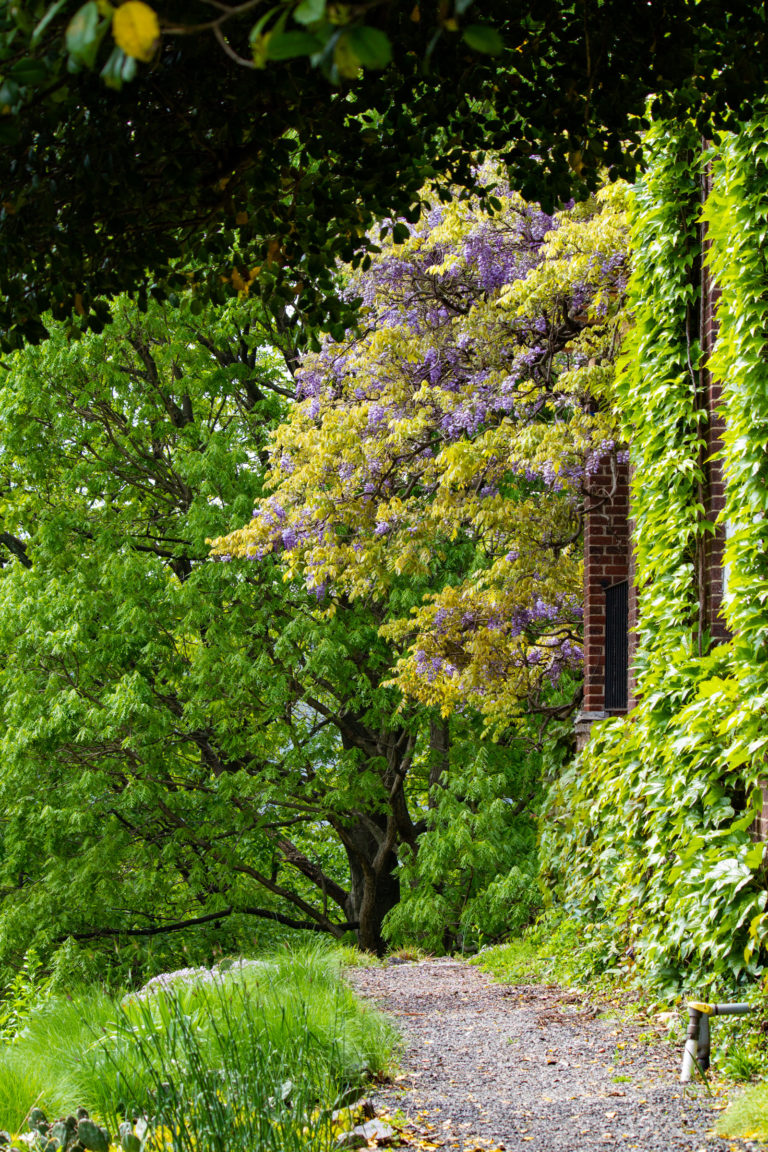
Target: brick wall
[
  {"x": 633, "y": 614},
  {"x": 606, "y": 562},
  {"x": 760, "y": 828}
]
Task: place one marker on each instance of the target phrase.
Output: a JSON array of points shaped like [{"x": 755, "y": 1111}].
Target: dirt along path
[{"x": 528, "y": 1068}]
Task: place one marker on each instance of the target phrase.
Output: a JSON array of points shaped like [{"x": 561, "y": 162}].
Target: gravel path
[{"x": 528, "y": 1068}]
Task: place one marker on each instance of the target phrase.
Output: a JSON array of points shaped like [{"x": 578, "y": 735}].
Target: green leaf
[
  {"x": 41, "y": 27},
  {"x": 29, "y": 72},
  {"x": 118, "y": 69},
  {"x": 84, "y": 34},
  {"x": 371, "y": 46},
  {"x": 287, "y": 45},
  {"x": 754, "y": 857},
  {"x": 309, "y": 11},
  {"x": 483, "y": 38}
]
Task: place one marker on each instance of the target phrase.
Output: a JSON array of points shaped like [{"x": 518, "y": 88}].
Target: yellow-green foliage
[
  {"x": 747, "y": 1116},
  {"x": 376, "y": 411}
]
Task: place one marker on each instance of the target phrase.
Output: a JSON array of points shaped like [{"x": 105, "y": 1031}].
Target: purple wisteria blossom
[{"x": 470, "y": 393}]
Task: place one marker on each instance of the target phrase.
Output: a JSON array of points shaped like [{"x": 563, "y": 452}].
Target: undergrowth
[
  {"x": 747, "y": 1116},
  {"x": 206, "y": 1046}
]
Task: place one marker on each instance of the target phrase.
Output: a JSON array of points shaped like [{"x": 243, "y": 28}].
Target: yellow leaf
[{"x": 136, "y": 30}]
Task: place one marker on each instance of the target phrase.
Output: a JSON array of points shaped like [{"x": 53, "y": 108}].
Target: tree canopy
[
  {"x": 272, "y": 138},
  {"x": 188, "y": 743}
]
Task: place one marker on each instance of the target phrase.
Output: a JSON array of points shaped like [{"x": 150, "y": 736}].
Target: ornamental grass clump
[
  {"x": 199, "y": 1069},
  {"x": 258, "y": 1055}
]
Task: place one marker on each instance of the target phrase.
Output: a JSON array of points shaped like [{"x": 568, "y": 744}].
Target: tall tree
[{"x": 183, "y": 741}]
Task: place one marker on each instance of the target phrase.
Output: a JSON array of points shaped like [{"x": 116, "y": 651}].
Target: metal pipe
[
  {"x": 731, "y": 1009},
  {"x": 703, "y": 1049},
  {"x": 690, "y": 1055},
  {"x": 698, "y": 1040}
]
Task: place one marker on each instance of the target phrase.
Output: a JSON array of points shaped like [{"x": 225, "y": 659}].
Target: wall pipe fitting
[{"x": 698, "y": 1038}]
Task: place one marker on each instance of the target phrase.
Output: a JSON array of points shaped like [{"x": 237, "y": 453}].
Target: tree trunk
[
  {"x": 374, "y": 888},
  {"x": 439, "y": 755}
]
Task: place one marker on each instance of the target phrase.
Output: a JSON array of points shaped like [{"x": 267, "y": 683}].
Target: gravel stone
[
  {"x": 352, "y": 1139},
  {"x": 529, "y": 1068}
]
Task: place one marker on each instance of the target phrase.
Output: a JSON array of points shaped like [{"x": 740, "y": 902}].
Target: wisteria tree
[{"x": 446, "y": 448}]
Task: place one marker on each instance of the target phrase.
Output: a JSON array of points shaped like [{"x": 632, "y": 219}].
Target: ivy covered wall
[{"x": 651, "y": 838}]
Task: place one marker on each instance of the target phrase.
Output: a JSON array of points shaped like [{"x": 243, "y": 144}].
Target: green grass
[
  {"x": 747, "y": 1115},
  {"x": 50, "y": 1063},
  {"x": 243, "y": 1035},
  {"x": 519, "y": 962}
]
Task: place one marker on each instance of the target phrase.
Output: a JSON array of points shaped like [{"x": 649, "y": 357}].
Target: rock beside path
[{"x": 528, "y": 1068}]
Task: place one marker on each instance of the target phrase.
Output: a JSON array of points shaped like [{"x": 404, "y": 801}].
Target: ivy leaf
[{"x": 754, "y": 857}]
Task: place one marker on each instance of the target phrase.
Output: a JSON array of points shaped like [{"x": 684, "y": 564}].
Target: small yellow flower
[{"x": 136, "y": 29}]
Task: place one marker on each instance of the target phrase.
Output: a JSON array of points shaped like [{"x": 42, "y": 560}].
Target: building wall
[{"x": 606, "y": 562}]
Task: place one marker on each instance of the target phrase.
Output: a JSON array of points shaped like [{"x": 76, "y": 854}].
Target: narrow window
[{"x": 616, "y": 646}]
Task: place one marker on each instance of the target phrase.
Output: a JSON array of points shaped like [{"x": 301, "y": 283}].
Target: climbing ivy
[
  {"x": 736, "y": 215},
  {"x": 649, "y": 838},
  {"x": 658, "y": 396}
]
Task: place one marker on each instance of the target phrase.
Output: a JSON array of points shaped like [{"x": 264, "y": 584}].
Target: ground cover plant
[
  {"x": 747, "y": 1116},
  {"x": 252, "y": 1054}
]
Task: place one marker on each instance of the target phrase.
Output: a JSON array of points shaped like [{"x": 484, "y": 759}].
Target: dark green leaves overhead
[
  {"x": 371, "y": 46},
  {"x": 289, "y": 45},
  {"x": 278, "y": 149}
]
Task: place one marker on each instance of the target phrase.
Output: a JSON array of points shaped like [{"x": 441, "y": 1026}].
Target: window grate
[{"x": 616, "y": 646}]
